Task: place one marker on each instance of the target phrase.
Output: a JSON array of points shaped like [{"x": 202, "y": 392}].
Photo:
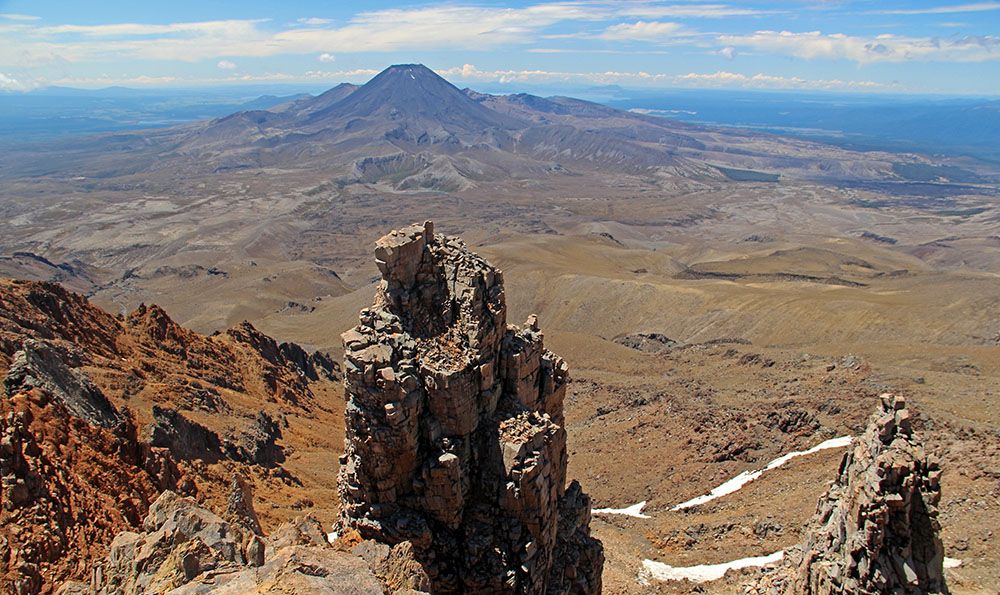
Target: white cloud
[
  {"x": 722, "y": 79},
  {"x": 656, "y": 11},
  {"x": 953, "y": 9},
  {"x": 219, "y": 29},
  {"x": 642, "y": 31},
  {"x": 445, "y": 26},
  {"x": 470, "y": 73},
  {"x": 108, "y": 81},
  {"x": 25, "y": 44},
  {"x": 356, "y": 75},
  {"x": 9, "y": 83},
  {"x": 436, "y": 27},
  {"x": 768, "y": 81},
  {"x": 18, "y": 17},
  {"x": 880, "y": 48},
  {"x": 314, "y": 21},
  {"x": 226, "y": 65}
]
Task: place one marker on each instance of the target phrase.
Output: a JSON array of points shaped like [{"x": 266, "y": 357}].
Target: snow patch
[
  {"x": 332, "y": 536},
  {"x": 702, "y": 573},
  {"x": 746, "y": 477},
  {"x": 952, "y": 562},
  {"x": 634, "y": 511}
]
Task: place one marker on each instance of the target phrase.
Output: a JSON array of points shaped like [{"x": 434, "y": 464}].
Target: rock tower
[
  {"x": 454, "y": 429},
  {"x": 876, "y": 530}
]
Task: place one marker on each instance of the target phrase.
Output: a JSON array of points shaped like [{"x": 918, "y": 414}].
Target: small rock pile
[
  {"x": 876, "y": 529},
  {"x": 454, "y": 429}
]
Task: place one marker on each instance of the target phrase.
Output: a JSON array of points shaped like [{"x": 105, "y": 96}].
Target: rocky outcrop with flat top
[{"x": 454, "y": 429}]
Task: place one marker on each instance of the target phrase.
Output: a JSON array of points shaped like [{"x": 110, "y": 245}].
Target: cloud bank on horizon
[{"x": 859, "y": 45}]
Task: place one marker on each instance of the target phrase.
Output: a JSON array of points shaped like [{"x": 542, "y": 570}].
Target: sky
[{"x": 931, "y": 46}]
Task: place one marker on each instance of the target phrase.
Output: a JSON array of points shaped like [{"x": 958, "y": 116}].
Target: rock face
[
  {"x": 876, "y": 529},
  {"x": 101, "y": 413},
  {"x": 39, "y": 365},
  {"x": 454, "y": 436},
  {"x": 72, "y": 471},
  {"x": 185, "y": 549}
]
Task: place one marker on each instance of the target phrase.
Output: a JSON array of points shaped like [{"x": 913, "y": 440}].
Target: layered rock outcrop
[
  {"x": 876, "y": 530},
  {"x": 454, "y": 429},
  {"x": 101, "y": 413},
  {"x": 183, "y": 548},
  {"x": 72, "y": 471}
]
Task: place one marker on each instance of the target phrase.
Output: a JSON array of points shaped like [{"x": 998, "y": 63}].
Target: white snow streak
[
  {"x": 746, "y": 477},
  {"x": 952, "y": 562},
  {"x": 635, "y": 511},
  {"x": 702, "y": 573},
  {"x": 332, "y": 536}
]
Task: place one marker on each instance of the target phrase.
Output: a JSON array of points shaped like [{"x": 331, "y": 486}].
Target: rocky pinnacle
[
  {"x": 454, "y": 429},
  {"x": 876, "y": 530}
]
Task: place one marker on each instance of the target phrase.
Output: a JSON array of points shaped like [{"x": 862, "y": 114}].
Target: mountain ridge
[{"x": 428, "y": 135}]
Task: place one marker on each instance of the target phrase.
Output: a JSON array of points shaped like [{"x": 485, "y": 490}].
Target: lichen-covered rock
[
  {"x": 454, "y": 435},
  {"x": 876, "y": 530}
]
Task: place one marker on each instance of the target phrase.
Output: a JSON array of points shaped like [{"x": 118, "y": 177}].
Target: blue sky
[{"x": 862, "y": 45}]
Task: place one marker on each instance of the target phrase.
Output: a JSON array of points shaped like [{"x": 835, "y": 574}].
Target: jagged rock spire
[
  {"x": 876, "y": 530},
  {"x": 454, "y": 429}
]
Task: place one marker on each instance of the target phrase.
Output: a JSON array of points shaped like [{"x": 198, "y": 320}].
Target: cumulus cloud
[
  {"x": 9, "y": 83},
  {"x": 325, "y": 57},
  {"x": 642, "y": 31},
  {"x": 226, "y": 65},
  {"x": 880, "y": 48},
  {"x": 728, "y": 52}
]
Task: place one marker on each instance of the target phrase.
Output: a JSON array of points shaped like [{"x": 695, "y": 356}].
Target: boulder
[{"x": 186, "y": 549}]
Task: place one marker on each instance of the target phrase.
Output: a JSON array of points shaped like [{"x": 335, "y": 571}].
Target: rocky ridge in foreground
[
  {"x": 454, "y": 474},
  {"x": 876, "y": 529},
  {"x": 454, "y": 429},
  {"x": 100, "y": 414}
]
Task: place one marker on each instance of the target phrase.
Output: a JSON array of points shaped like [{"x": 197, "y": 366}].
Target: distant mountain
[
  {"x": 410, "y": 129},
  {"x": 308, "y": 104},
  {"x": 418, "y": 102}
]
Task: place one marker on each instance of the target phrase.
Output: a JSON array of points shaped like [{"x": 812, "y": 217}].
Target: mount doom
[{"x": 410, "y": 129}]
